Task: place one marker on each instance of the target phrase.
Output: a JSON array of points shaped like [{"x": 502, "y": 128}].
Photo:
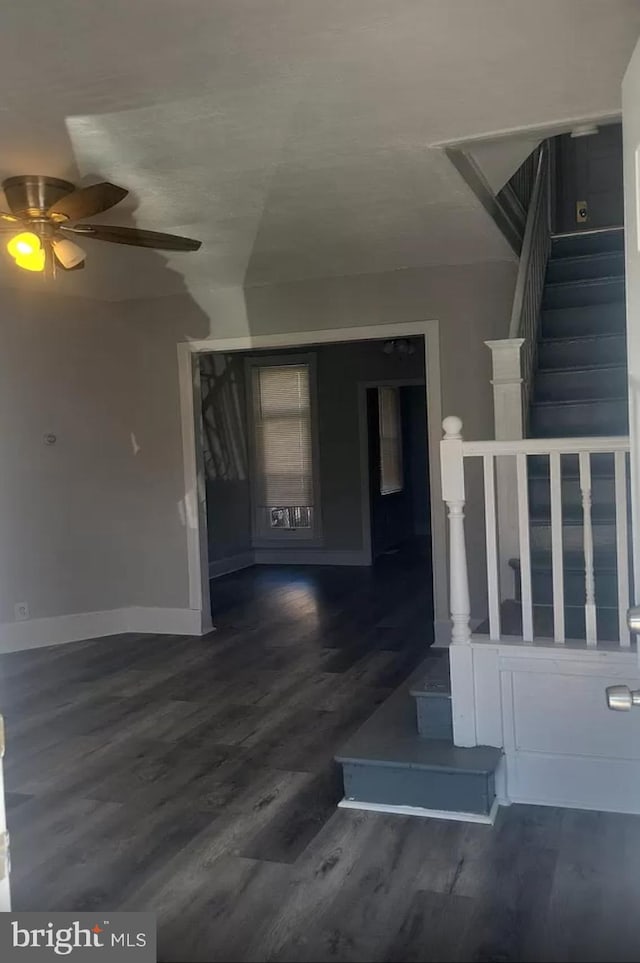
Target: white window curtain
[
  {"x": 391, "y": 473},
  {"x": 282, "y": 418}
]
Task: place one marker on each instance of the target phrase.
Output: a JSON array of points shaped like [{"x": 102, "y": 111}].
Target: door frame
[{"x": 193, "y": 468}]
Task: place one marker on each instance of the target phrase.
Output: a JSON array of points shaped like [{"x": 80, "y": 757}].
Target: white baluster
[
  {"x": 493, "y": 584},
  {"x": 525, "y": 547},
  {"x": 622, "y": 549},
  {"x": 589, "y": 578},
  {"x": 555, "y": 491},
  {"x": 452, "y": 471}
]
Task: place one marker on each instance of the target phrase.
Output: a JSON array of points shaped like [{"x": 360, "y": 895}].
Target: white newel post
[
  {"x": 509, "y": 426},
  {"x": 460, "y": 652}
]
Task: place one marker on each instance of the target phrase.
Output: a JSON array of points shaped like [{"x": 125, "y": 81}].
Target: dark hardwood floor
[{"x": 193, "y": 777}]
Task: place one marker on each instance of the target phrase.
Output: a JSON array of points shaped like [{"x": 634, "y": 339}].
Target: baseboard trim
[
  {"x": 164, "y": 621},
  {"x": 233, "y": 563},
  {"x": 487, "y": 819},
  {"x": 57, "y": 630},
  {"x": 311, "y": 556}
]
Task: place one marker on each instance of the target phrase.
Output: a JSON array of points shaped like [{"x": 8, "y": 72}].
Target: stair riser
[
  {"x": 601, "y": 465},
  {"x": 602, "y": 495},
  {"x": 433, "y": 716},
  {"x": 581, "y": 267},
  {"x": 591, "y": 319},
  {"x": 587, "y": 243},
  {"x": 428, "y": 789},
  {"x": 574, "y": 588},
  {"x": 581, "y": 293},
  {"x": 603, "y": 417},
  {"x": 580, "y": 385},
  {"x": 582, "y": 352},
  {"x": 604, "y": 537}
]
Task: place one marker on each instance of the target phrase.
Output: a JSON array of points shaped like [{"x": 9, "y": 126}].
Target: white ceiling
[{"x": 295, "y": 137}]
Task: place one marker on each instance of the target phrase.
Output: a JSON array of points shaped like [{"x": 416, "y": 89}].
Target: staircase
[
  {"x": 580, "y": 389},
  {"x": 403, "y": 759}
]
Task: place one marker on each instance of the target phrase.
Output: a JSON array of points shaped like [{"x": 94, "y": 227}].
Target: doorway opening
[
  {"x": 398, "y": 478},
  {"x": 316, "y": 464}
]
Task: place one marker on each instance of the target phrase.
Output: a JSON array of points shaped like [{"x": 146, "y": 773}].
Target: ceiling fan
[{"x": 44, "y": 217}]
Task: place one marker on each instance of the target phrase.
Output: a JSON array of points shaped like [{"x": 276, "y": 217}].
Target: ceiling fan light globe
[
  {"x": 68, "y": 253},
  {"x": 32, "y": 262},
  {"x": 24, "y": 245}
]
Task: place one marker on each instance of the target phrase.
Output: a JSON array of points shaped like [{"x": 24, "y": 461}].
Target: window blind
[
  {"x": 283, "y": 440},
  {"x": 391, "y": 475}
]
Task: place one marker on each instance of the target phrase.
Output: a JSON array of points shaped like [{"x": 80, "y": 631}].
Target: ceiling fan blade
[
  {"x": 87, "y": 201},
  {"x": 134, "y": 236},
  {"x": 8, "y": 218}
]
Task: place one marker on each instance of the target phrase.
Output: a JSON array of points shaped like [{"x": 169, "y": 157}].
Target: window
[
  {"x": 284, "y": 483},
  {"x": 390, "y": 431}
]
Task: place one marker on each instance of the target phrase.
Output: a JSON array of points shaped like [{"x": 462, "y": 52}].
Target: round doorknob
[{"x": 622, "y": 698}]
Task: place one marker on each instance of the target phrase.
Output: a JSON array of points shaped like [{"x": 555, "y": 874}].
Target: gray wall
[
  {"x": 590, "y": 169},
  {"x": 72, "y": 515},
  {"x": 98, "y": 520}
]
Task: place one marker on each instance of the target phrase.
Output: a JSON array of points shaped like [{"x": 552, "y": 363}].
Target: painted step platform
[{"x": 389, "y": 767}]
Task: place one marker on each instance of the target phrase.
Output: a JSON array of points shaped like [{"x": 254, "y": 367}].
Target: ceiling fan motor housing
[{"x": 31, "y": 195}]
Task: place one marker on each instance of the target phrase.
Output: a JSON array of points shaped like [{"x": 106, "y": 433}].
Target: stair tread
[
  {"x": 432, "y": 689},
  {"x": 593, "y": 256},
  {"x": 587, "y": 283},
  {"x": 389, "y": 738},
  {"x": 572, "y": 561},
  {"x": 579, "y": 338},
  {"x": 564, "y": 403},
  {"x": 607, "y": 366},
  {"x": 570, "y": 517},
  {"x": 602, "y": 240}
]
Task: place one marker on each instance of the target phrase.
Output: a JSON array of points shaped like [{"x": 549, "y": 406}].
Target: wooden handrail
[{"x": 536, "y": 209}]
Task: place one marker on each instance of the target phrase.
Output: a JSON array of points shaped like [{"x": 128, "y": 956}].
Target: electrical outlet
[
  {"x": 582, "y": 212},
  {"x": 21, "y": 611}
]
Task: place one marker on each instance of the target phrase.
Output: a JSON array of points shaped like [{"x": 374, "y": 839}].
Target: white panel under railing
[{"x": 572, "y": 576}]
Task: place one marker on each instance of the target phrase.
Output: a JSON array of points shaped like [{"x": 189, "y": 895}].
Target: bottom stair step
[{"x": 387, "y": 762}]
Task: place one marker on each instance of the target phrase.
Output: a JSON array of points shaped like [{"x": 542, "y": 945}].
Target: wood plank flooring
[{"x": 193, "y": 777}]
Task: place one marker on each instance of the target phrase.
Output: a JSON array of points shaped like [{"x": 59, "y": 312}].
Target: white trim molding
[
  {"x": 487, "y": 819},
  {"x": 56, "y": 630},
  {"x": 194, "y": 500}
]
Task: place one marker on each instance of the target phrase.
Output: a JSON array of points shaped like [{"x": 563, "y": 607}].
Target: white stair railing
[{"x": 454, "y": 452}]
